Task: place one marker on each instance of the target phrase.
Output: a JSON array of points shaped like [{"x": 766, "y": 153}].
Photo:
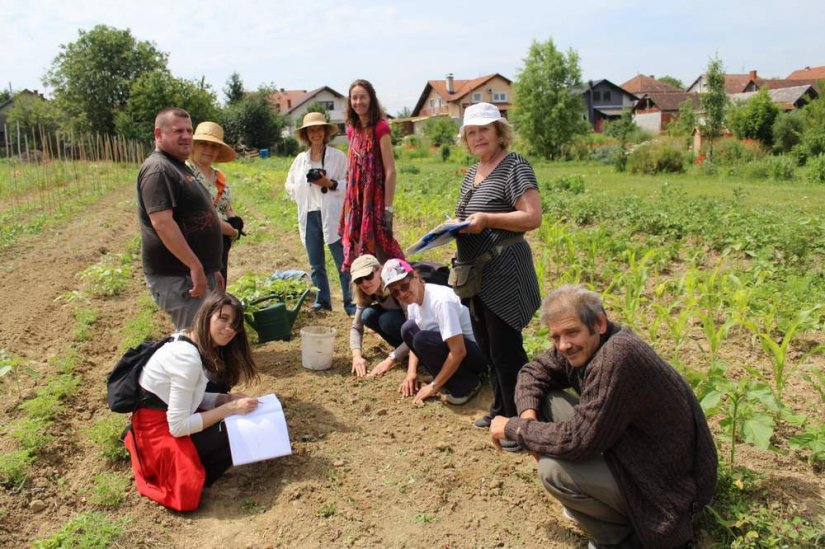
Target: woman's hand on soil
[
  {"x": 382, "y": 368},
  {"x": 427, "y": 391},
  {"x": 359, "y": 366},
  {"x": 408, "y": 387}
]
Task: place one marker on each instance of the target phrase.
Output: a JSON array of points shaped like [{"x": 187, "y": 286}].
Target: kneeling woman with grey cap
[{"x": 439, "y": 334}]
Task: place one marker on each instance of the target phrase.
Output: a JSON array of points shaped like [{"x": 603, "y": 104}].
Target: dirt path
[{"x": 367, "y": 470}]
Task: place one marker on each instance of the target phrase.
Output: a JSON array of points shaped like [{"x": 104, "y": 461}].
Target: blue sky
[{"x": 399, "y": 45}]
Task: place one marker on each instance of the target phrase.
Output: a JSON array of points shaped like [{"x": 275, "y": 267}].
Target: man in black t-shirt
[{"x": 179, "y": 228}]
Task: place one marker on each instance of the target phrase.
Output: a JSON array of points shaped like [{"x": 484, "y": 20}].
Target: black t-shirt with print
[{"x": 165, "y": 183}]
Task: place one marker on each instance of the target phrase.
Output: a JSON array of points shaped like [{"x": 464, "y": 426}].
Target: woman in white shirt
[
  {"x": 177, "y": 441},
  {"x": 317, "y": 182},
  {"x": 439, "y": 334}
]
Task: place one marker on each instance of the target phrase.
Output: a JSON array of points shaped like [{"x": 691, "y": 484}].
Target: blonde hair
[
  {"x": 504, "y": 132},
  {"x": 362, "y": 299}
]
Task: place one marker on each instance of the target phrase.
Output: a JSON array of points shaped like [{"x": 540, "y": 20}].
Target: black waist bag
[{"x": 124, "y": 393}]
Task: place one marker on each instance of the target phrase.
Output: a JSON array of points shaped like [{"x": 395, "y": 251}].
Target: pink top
[{"x": 382, "y": 128}]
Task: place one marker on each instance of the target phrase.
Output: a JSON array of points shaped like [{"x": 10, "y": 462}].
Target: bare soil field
[{"x": 368, "y": 469}]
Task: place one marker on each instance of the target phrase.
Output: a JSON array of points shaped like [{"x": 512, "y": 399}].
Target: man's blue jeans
[{"x": 317, "y": 264}]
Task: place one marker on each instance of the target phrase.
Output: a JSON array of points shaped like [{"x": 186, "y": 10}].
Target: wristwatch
[{"x": 334, "y": 186}]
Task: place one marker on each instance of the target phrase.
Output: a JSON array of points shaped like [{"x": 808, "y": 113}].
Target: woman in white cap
[
  {"x": 377, "y": 310},
  {"x": 439, "y": 334},
  {"x": 208, "y": 147},
  {"x": 500, "y": 199},
  {"x": 317, "y": 183}
]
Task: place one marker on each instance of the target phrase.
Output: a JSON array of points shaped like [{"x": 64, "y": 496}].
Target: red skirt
[{"x": 167, "y": 469}]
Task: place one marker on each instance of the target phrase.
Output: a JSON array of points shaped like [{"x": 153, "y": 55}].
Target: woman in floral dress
[{"x": 366, "y": 222}]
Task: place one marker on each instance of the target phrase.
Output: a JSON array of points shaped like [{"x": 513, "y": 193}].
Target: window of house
[
  {"x": 327, "y": 105},
  {"x": 432, "y": 103},
  {"x": 499, "y": 97},
  {"x": 477, "y": 97},
  {"x": 440, "y": 101},
  {"x": 597, "y": 96},
  {"x": 605, "y": 96}
]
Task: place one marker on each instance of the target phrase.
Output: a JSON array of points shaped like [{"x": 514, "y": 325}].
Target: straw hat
[
  {"x": 316, "y": 119},
  {"x": 213, "y": 133}
]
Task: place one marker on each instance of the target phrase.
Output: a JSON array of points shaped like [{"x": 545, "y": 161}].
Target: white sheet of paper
[{"x": 259, "y": 435}]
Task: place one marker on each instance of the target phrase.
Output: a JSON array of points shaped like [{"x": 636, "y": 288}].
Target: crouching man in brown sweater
[{"x": 630, "y": 456}]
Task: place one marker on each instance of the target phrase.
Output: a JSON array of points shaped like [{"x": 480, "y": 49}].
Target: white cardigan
[
  {"x": 332, "y": 202},
  {"x": 175, "y": 374}
]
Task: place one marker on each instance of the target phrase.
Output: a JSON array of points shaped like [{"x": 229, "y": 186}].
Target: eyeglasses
[
  {"x": 401, "y": 288},
  {"x": 362, "y": 279}
]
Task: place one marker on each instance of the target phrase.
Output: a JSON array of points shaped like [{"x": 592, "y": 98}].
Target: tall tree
[
  {"x": 92, "y": 77},
  {"x": 405, "y": 112},
  {"x": 234, "y": 89},
  {"x": 156, "y": 90},
  {"x": 548, "y": 113},
  {"x": 714, "y": 102}
]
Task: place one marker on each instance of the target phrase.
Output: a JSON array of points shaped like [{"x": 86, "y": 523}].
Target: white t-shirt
[
  {"x": 175, "y": 374},
  {"x": 441, "y": 311}
]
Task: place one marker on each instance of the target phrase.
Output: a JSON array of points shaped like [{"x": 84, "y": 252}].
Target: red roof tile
[
  {"x": 808, "y": 73},
  {"x": 640, "y": 84}
]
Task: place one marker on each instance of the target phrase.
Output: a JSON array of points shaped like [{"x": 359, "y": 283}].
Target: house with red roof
[
  {"x": 293, "y": 103},
  {"x": 450, "y": 97}
]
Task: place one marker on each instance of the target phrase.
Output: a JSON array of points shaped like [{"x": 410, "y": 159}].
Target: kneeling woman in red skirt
[{"x": 178, "y": 443}]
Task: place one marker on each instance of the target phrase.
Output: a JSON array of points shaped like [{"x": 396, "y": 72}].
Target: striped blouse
[{"x": 509, "y": 286}]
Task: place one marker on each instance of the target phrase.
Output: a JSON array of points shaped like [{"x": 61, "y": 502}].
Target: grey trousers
[
  {"x": 587, "y": 490},
  {"x": 171, "y": 293}
]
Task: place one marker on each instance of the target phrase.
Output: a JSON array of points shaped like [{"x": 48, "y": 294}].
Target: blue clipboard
[{"x": 444, "y": 233}]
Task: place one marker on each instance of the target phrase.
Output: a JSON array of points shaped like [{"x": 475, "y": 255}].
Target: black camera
[{"x": 315, "y": 174}]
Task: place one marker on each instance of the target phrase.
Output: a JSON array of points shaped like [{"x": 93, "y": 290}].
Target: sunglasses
[
  {"x": 403, "y": 287},
  {"x": 362, "y": 279}
]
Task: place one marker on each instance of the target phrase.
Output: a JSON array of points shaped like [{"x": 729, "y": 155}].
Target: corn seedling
[{"x": 778, "y": 352}]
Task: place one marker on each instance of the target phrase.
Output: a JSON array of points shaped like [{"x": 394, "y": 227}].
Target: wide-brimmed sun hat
[
  {"x": 213, "y": 133},
  {"x": 316, "y": 119},
  {"x": 481, "y": 114},
  {"x": 395, "y": 270},
  {"x": 363, "y": 266}
]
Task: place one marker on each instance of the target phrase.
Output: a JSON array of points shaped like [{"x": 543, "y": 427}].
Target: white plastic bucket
[{"x": 317, "y": 347}]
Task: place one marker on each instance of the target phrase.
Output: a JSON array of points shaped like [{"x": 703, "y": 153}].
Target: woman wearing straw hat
[
  {"x": 317, "y": 182},
  {"x": 208, "y": 147},
  {"x": 500, "y": 199}
]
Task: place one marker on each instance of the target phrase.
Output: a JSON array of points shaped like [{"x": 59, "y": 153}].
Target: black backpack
[
  {"x": 432, "y": 272},
  {"x": 123, "y": 390}
]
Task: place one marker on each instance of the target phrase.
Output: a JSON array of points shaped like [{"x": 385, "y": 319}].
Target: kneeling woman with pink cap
[{"x": 439, "y": 334}]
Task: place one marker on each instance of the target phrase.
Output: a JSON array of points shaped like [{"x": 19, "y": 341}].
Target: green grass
[
  {"x": 106, "y": 434},
  {"x": 88, "y": 530},
  {"x": 110, "y": 489}
]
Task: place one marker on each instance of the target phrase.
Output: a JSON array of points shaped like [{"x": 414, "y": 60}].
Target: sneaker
[
  {"x": 458, "y": 401},
  {"x": 567, "y": 514},
  {"x": 510, "y": 445},
  {"x": 350, "y": 310},
  {"x": 317, "y": 308},
  {"x": 483, "y": 422}
]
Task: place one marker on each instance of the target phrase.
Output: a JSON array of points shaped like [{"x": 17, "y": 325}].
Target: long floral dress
[{"x": 362, "y": 227}]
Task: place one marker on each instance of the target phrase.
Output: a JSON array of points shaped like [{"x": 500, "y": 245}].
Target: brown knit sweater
[{"x": 639, "y": 413}]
